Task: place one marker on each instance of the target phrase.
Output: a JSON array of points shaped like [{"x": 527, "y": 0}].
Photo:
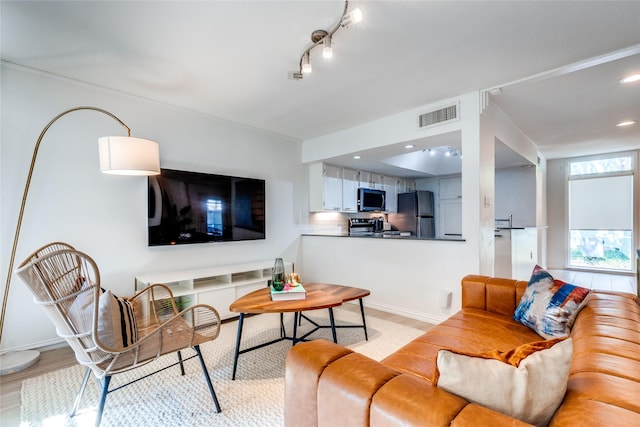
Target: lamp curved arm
[{"x": 26, "y": 191}]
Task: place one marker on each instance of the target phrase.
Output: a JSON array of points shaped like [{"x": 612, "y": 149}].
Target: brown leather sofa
[{"x": 329, "y": 385}]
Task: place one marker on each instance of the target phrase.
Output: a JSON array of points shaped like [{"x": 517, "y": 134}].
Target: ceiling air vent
[{"x": 437, "y": 117}]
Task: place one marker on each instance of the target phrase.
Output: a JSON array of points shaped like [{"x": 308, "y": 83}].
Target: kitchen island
[{"x": 405, "y": 274}]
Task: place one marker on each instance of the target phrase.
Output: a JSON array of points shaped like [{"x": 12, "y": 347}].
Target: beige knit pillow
[{"x": 530, "y": 391}]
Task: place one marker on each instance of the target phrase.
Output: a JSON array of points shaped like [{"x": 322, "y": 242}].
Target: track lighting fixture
[
  {"x": 443, "y": 150},
  {"x": 325, "y": 38}
]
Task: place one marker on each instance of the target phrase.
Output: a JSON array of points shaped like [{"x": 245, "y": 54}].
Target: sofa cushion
[
  {"x": 549, "y": 306},
  {"x": 469, "y": 330},
  {"x": 527, "y": 383}
]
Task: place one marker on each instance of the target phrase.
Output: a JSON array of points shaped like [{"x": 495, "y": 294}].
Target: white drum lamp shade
[{"x": 124, "y": 155}]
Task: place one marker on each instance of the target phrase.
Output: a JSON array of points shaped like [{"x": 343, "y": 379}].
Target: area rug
[{"x": 255, "y": 398}]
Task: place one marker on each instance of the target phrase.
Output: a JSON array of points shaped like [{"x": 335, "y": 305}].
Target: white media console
[{"x": 216, "y": 286}]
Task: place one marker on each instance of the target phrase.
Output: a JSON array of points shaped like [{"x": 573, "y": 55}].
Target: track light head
[
  {"x": 306, "y": 64},
  {"x": 327, "y": 50},
  {"x": 352, "y": 17}
]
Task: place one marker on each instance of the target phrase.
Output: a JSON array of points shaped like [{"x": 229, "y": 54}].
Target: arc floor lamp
[{"x": 119, "y": 155}]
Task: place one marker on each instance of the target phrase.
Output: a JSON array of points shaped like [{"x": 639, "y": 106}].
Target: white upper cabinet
[
  {"x": 325, "y": 187},
  {"x": 333, "y": 188},
  {"x": 406, "y": 185},
  {"x": 371, "y": 180},
  {"x": 332, "y": 178},
  {"x": 350, "y": 183}
]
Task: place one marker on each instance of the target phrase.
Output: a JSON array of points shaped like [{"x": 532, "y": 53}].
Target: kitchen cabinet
[
  {"x": 350, "y": 183},
  {"x": 406, "y": 185},
  {"x": 516, "y": 253},
  {"x": 391, "y": 186},
  {"x": 450, "y": 218},
  {"x": 333, "y": 188},
  {"x": 371, "y": 180},
  {"x": 524, "y": 252},
  {"x": 450, "y": 207},
  {"x": 325, "y": 187}
]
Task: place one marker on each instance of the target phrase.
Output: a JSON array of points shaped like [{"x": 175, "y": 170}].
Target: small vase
[{"x": 279, "y": 277}]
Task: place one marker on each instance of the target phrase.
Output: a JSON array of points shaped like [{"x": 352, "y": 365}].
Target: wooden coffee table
[{"x": 319, "y": 296}]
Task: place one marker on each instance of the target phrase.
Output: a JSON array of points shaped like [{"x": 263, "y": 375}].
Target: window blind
[{"x": 604, "y": 203}]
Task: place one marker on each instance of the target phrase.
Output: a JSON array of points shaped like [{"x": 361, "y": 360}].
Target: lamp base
[{"x": 16, "y": 361}]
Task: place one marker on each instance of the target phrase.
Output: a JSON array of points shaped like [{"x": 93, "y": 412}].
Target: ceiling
[{"x": 557, "y": 64}]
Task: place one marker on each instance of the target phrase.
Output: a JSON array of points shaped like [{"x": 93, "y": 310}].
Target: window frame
[{"x": 633, "y": 172}]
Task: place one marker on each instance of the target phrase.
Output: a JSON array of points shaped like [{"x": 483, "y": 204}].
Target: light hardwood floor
[{"x": 51, "y": 360}]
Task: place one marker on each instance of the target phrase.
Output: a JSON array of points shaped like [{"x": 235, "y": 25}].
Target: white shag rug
[{"x": 255, "y": 398}]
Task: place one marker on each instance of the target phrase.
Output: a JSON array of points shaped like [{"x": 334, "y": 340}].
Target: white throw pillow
[{"x": 530, "y": 391}]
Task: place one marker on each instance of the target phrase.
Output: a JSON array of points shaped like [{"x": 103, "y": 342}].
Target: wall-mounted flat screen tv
[{"x": 191, "y": 207}]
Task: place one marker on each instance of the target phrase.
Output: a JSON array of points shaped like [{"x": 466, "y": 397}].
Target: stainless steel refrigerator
[{"x": 416, "y": 214}]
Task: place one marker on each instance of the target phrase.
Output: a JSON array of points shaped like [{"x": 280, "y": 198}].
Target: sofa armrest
[
  {"x": 305, "y": 364},
  {"x": 493, "y": 294}
]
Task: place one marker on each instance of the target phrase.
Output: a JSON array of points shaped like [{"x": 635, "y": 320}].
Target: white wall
[{"x": 105, "y": 216}]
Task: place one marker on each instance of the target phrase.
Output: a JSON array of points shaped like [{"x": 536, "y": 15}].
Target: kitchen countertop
[{"x": 386, "y": 235}]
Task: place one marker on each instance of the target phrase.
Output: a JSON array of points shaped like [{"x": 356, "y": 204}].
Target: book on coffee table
[{"x": 289, "y": 293}]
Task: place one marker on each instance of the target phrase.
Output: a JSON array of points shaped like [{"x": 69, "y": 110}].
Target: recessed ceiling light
[
  {"x": 357, "y": 157},
  {"x": 409, "y": 146},
  {"x": 626, "y": 123},
  {"x": 630, "y": 79}
]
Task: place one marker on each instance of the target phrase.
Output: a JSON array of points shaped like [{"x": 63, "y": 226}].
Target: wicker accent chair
[{"x": 111, "y": 335}]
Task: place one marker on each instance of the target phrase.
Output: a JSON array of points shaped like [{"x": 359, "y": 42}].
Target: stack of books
[{"x": 289, "y": 292}]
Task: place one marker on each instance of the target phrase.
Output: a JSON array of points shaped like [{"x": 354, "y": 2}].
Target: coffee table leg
[
  {"x": 333, "y": 326},
  {"x": 282, "y": 331},
  {"x": 364, "y": 322},
  {"x": 237, "y": 353},
  {"x": 295, "y": 329}
]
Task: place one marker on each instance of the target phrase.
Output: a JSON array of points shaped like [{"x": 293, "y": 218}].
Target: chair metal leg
[
  {"x": 103, "y": 399},
  {"x": 207, "y": 377},
  {"x": 85, "y": 379},
  {"x": 181, "y": 363}
]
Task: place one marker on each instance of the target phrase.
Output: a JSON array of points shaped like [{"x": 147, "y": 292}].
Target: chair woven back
[{"x": 66, "y": 283}]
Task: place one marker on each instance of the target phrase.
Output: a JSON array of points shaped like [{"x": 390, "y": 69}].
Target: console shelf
[{"x": 217, "y": 286}]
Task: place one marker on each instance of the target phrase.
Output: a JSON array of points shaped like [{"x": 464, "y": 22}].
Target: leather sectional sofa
[{"x": 329, "y": 385}]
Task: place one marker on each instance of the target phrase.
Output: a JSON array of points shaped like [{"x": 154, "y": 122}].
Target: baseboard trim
[
  {"x": 45, "y": 345},
  {"x": 401, "y": 311}
]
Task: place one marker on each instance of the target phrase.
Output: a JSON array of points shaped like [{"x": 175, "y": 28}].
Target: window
[{"x": 601, "y": 213}]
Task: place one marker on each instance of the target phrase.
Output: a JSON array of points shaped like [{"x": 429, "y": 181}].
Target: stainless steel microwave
[{"x": 371, "y": 200}]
